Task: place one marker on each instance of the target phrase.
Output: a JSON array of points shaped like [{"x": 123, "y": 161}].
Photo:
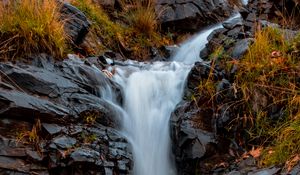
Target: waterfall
[
  {"x": 151, "y": 93},
  {"x": 189, "y": 51}
]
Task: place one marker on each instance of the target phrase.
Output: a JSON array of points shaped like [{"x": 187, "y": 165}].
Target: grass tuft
[
  {"x": 30, "y": 26},
  {"x": 143, "y": 17}
]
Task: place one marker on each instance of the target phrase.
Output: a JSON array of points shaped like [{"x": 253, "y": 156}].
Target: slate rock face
[
  {"x": 193, "y": 129},
  {"x": 53, "y": 119},
  {"x": 76, "y": 23},
  {"x": 191, "y": 15}
]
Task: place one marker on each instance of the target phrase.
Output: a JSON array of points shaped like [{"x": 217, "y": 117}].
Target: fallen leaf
[
  {"x": 276, "y": 54},
  {"x": 255, "y": 152}
]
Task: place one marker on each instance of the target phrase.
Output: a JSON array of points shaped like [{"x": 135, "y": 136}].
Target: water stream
[{"x": 151, "y": 92}]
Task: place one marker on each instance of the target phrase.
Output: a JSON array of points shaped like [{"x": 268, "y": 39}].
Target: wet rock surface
[
  {"x": 54, "y": 121},
  {"x": 194, "y": 128}
]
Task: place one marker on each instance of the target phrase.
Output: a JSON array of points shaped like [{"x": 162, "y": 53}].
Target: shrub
[{"x": 31, "y": 26}]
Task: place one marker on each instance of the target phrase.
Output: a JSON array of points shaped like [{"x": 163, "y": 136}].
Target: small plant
[
  {"x": 88, "y": 138},
  {"x": 143, "y": 17},
  {"x": 30, "y": 26},
  {"x": 31, "y": 137},
  {"x": 90, "y": 117}
]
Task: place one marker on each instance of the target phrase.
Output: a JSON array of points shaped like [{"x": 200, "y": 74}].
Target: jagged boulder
[
  {"x": 76, "y": 23},
  {"x": 193, "y": 129},
  {"x": 191, "y": 15}
]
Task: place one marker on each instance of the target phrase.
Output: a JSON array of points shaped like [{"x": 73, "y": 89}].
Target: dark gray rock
[
  {"x": 85, "y": 155},
  {"x": 34, "y": 155},
  {"x": 52, "y": 128},
  {"x": 108, "y": 171},
  {"x": 234, "y": 33},
  {"x": 73, "y": 130},
  {"x": 168, "y": 51},
  {"x": 235, "y": 173},
  {"x": 14, "y": 164},
  {"x": 266, "y": 171},
  {"x": 76, "y": 25},
  {"x": 193, "y": 136},
  {"x": 64, "y": 142},
  {"x": 47, "y": 98},
  {"x": 197, "y": 74},
  {"x": 241, "y": 47},
  {"x": 10, "y": 147},
  {"x": 233, "y": 23},
  {"x": 123, "y": 165},
  {"x": 19, "y": 104},
  {"x": 45, "y": 82},
  {"x": 191, "y": 15},
  {"x": 295, "y": 170}
]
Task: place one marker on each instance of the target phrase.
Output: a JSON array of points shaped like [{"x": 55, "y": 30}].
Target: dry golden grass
[
  {"x": 31, "y": 137},
  {"x": 142, "y": 16},
  {"x": 133, "y": 35},
  {"x": 29, "y": 27},
  {"x": 102, "y": 26},
  {"x": 268, "y": 76}
]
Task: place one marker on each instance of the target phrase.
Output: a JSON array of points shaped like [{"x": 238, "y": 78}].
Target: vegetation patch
[
  {"x": 28, "y": 27},
  {"x": 268, "y": 78},
  {"x": 133, "y": 34},
  {"x": 31, "y": 137}
]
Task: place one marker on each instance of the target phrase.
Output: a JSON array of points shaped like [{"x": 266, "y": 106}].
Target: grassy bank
[
  {"x": 133, "y": 34},
  {"x": 268, "y": 79},
  {"x": 31, "y": 26}
]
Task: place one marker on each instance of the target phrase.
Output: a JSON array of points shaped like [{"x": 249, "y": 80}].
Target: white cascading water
[
  {"x": 151, "y": 93},
  {"x": 189, "y": 52}
]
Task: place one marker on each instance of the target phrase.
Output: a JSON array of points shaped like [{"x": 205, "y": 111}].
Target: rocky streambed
[{"x": 54, "y": 118}]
